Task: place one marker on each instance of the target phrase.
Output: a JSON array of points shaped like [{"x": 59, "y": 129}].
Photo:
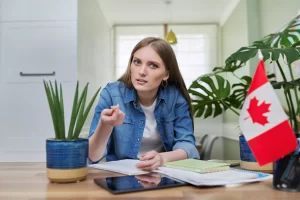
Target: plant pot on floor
[
  {"x": 286, "y": 175},
  {"x": 67, "y": 160},
  {"x": 248, "y": 160}
]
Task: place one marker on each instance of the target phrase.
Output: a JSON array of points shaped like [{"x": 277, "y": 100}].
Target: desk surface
[{"x": 29, "y": 181}]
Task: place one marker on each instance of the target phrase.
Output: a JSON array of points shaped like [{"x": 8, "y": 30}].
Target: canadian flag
[{"x": 263, "y": 121}]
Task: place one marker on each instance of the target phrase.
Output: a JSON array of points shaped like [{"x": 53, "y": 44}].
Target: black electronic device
[{"x": 134, "y": 183}]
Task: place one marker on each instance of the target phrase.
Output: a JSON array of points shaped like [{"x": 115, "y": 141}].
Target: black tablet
[{"x": 123, "y": 184}]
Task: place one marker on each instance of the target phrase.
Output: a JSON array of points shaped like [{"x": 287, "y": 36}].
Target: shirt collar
[{"x": 131, "y": 95}]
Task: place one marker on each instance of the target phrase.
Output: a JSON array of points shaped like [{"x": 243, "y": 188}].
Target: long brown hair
[{"x": 167, "y": 55}]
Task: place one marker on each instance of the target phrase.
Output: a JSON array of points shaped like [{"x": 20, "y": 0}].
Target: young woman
[{"x": 147, "y": 113}]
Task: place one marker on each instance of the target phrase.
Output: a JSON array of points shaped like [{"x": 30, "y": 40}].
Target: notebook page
[{"x": 126, "y": 166}]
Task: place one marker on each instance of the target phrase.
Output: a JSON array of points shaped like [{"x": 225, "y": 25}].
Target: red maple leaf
[{"x": 256, "y": 111}]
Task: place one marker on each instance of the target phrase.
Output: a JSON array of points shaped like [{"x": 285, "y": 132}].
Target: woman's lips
[{"x": 141, "y": 81}]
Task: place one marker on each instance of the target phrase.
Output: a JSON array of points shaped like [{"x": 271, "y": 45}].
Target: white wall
[
  {"x": 94, "y": 51},
  {"x": 276, "y": 13},
  {"x": 234, "y": 34}
]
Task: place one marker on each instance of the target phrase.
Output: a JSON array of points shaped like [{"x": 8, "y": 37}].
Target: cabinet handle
[{"x": 37, "y": 74}]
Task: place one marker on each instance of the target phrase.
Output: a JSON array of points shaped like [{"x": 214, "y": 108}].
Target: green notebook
[{"x": 200, "y": 166}]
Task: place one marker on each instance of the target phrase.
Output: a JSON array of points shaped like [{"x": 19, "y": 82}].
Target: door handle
[{"x": 37, "y": 74}]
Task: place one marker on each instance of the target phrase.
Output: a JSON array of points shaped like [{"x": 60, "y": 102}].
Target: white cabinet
[
  {"x": 37, "y": 38},
  {"x": 31, "y": 50},
  {"x": 38, "y": 10}
]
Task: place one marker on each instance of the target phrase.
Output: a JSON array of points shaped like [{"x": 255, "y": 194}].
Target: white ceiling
[{"x": 157, "y": 11}]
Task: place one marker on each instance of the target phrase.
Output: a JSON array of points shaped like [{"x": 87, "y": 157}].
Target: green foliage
[
  {"x": 79, "y": 113},
  {"x": 222, "y": 95},
  {"x": 213, "y": 96}
]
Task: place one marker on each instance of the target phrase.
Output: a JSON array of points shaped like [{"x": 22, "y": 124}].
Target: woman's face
[{"x": 147, "y": 70}]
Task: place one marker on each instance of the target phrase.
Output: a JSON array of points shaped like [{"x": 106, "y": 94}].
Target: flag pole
[{"x": 260, "y": 55}]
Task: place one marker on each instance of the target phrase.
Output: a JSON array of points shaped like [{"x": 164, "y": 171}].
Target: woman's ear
[{"x": 167, "y": 76}]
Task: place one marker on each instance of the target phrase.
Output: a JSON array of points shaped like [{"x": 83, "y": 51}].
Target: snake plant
[
  {"x": 212, "y": 94},
  {"x": 79, "y": 112}
]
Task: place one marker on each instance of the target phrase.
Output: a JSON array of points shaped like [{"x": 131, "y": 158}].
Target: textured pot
[
  {"x": 248, "y": 160},
  {"x": 67, "y": 160}
]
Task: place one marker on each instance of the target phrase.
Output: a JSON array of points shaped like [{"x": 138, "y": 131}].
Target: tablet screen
[{"x": 135, "y": 183}]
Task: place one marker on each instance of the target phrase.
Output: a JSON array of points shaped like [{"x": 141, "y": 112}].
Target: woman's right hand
[{"x": 112, "y": 117}]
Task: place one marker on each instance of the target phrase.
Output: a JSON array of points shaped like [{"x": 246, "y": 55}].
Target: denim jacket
[{"x": 172, "y": 116}]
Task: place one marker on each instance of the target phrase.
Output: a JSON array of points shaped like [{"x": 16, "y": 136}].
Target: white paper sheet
[{"x": 126, "y": 166}]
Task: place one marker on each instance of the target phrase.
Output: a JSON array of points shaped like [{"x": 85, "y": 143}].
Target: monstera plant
[{"x": 212, "y": 94}]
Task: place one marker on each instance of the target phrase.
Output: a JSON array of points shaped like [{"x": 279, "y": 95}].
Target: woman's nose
[{"x": 143, "y": 70}]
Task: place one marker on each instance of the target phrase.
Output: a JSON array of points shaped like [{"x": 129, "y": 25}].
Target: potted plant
[
  {"x": 67, "y": 153},
  {"x": 212, "y": 94}
]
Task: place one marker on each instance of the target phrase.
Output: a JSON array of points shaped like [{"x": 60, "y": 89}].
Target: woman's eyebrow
[
  {"x": 152, "y": 61},
  {"x": 155, "y": 62}
]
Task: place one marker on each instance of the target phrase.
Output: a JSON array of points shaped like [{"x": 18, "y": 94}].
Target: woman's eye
[
  {"x": 152, "y": 65},
  {"x": 137, "y": 62}
]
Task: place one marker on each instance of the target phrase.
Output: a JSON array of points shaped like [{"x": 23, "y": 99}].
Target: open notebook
[{"x": 126, "y": 166}]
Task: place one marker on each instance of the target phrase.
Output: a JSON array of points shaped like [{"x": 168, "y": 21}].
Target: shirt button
[
  {"x": 138, "y": 139},
  {"x": 142, "y": 122}
]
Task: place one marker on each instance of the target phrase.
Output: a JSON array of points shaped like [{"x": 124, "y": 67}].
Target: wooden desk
[{"x": 29, "y": 181}]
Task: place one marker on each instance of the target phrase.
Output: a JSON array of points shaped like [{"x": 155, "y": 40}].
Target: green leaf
[
  {"x": 80, "y": 121},
  {"x": 286, "y": 84},
  {"x": 74, "y": 113},
  {"x": 86, "y": 112},
  {"x": 52, "y": 109},
  {"x": 291, "y": 53},
  {"x": 61, "y": 101},
  {"x": 209, "y": 96},
  {"x": 240, "y": 91},
  {"x": 286, "y": 37},
  {"x": 60, "y": 120}
]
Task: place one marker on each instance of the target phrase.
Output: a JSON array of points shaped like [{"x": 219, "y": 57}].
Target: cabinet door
[
  {"x": 38, "y": 10},
  {"x": 35, "y": 49}
]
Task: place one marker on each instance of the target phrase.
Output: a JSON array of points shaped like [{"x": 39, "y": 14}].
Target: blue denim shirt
[{"x": 172, "y": 116}]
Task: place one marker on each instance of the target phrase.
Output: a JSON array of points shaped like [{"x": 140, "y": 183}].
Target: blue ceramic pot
[
  {"x": 245, "y": 151},
  {"x": 67, "y": 160}
]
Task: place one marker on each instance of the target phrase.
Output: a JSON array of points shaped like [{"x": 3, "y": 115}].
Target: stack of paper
[{"x": 228, "y": 177}]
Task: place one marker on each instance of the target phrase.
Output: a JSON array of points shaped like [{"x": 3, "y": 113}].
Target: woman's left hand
[{"x": 150, "y": 161}]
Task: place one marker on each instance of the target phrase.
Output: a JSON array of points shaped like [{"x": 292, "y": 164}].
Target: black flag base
[{"x": 286, "y": 174}]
